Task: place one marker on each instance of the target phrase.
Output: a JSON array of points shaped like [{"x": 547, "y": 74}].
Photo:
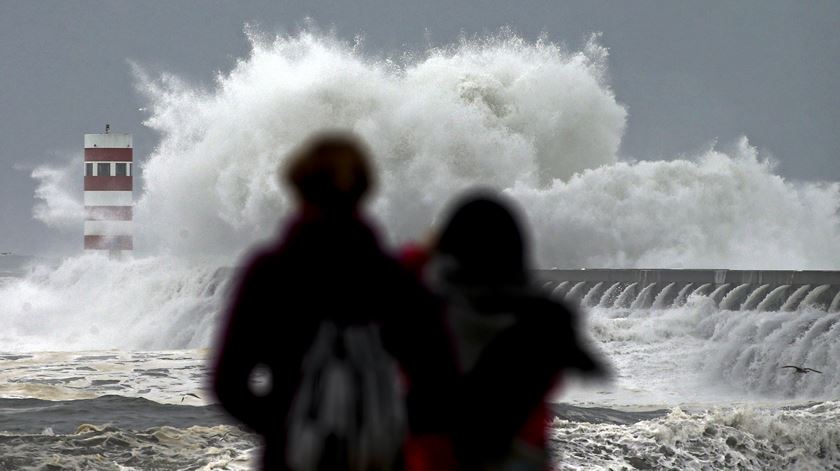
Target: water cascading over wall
[{"x": 736, "y": 290}]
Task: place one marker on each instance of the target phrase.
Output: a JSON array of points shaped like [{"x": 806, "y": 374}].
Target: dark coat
[
  {"x": 512, "y": 340},
  {"x": 513, "y": 344},
  {"x": 327, "y": 268}
]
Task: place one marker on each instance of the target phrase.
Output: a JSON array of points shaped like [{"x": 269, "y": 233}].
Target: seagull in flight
[
  {"x": 188, "y": 394},
  {"x": 800, "y": 369}
]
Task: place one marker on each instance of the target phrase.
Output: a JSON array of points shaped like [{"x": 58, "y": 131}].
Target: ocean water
[
  {"x": 695, "y": 388},
  {"x": 103, "y": 363},
  {"x": 701, "y": 387},
  {"x": 115, "y": 410}
]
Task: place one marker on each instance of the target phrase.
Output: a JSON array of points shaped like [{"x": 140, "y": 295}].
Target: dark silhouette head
[
  {"x": 484, "y": 238},
  {"x": 330, "y": 171}
]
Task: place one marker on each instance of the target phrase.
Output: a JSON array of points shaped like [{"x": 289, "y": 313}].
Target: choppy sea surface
[
  {"x": 698, "y": 387},
  {"x": 115, "y": 410},
  {"x": 683, "y": 397}
]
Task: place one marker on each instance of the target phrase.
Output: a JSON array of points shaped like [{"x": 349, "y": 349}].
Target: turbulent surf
[{"x": 698, "y": 385}]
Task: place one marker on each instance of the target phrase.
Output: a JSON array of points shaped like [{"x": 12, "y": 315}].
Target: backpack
[{"x": 349, "y": 411}]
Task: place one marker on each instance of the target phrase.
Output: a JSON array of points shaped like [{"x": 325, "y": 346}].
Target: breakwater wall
[{"x": 763, "y": 290}]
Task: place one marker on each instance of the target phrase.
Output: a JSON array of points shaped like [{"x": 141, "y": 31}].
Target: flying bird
[
  {"x": 800, "y": 369},
  {"x": 188, "y": 394},
  {"x": 3, "y": 254}
]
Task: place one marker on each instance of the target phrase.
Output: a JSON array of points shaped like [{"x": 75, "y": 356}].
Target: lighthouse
[{"x": 108, "y": 192}]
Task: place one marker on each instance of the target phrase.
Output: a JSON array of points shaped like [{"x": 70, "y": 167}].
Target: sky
[{"x": 689, "y": 74}]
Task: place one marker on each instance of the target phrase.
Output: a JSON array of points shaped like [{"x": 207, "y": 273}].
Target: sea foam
[{"x": 532, "y": 119}]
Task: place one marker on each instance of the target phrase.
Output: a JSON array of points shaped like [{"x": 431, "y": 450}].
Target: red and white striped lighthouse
[{"x": 108, "y": 192}]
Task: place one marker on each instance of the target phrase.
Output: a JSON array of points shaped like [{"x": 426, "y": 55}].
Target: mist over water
[
  {"x": 532, "y": 119},
  {"x": 91, "y": 302}
]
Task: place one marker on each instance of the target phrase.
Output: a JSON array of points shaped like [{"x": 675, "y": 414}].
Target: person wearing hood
[{"x": 512, "y": 341}]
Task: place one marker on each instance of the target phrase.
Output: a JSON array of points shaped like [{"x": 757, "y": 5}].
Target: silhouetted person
[
  {"x": 327, "y": 269},
  {"x": 512, "y": 341}
]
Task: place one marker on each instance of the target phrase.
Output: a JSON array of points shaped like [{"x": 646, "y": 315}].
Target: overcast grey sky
[{"x": 687, "y": 73}]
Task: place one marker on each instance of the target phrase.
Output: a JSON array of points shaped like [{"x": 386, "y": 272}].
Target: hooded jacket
[{"x": 512, "y": 340}]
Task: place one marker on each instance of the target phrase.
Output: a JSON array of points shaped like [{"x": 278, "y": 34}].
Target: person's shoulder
[{"x": 264, "y": 258}]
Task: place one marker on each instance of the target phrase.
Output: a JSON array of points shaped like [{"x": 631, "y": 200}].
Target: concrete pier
[{"x": 767, "y": 290}]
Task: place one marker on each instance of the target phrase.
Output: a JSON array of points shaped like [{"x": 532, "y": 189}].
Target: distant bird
[
  {"x": 188, "y": 394},
  {"x": 3, "y": 254},
  {"x": 800, "y": 369}
]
